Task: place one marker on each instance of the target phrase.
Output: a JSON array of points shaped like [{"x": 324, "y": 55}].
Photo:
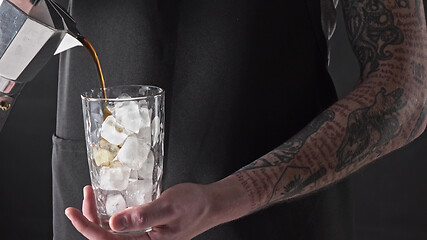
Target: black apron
[{"x": 241, "y": 77}]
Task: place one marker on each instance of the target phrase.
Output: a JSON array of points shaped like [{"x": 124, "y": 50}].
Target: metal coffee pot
[{"x": 31, "y": 32}]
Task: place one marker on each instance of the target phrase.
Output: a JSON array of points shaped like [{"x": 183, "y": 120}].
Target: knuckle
[
  {"x": 139, "y": 219},
  {"x": 170, "y": 208}
]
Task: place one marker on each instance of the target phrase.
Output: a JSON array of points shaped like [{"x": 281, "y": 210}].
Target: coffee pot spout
[
  {"x": 69, "y": 41},
  {"x": 72, "y": 35}
]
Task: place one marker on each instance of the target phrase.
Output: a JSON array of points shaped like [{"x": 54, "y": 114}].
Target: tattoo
[
  {"x": 371, "y": 30},
  {"x": 418, "y": 71},
  {"x": 297, "y": 183},
  {"x": 291, "y": 179},
  {"x": 287, "y": 151},
  {"x": 369, "y": 129},
  {"x": 402, "y": 3},
  {"x": 418, "y": 124},
  {"x": 419, "y": 14}
]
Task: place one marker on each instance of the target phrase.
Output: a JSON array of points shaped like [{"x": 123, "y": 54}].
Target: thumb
[{"x": 139, "y": 218}]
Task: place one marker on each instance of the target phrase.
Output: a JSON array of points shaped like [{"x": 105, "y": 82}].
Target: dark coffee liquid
[
  {"x": 92, "y": 52},
  {"x": 95, "y": 58}
]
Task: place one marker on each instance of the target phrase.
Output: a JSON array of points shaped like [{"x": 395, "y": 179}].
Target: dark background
[{"x": 390, "y": 199}]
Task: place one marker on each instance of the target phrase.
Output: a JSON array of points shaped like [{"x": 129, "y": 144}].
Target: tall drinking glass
[{"x": 125, "y": 146}]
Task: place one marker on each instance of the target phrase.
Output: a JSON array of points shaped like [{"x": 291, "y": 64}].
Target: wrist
[{"x": 227, "y": 200}]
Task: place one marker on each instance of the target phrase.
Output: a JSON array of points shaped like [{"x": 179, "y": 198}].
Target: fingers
[
  {"x": 87, "y": 223},
  {"x": 89, "y": 205},
  {"x": 89, "y": 229},
  {"x": 152, "y": 214}
]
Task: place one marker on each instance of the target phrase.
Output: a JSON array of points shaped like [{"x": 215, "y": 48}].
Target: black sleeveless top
[{"x": 241, "y": 77}]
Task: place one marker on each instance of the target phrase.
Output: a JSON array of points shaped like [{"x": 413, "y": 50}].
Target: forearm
[{"x": 384, "y": 112}]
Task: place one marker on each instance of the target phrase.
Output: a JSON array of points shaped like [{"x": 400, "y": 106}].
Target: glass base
[{"x": 106, "y": 225}]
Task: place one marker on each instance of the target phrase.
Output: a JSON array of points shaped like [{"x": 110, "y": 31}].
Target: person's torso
[{"x": 241, "y": 77}]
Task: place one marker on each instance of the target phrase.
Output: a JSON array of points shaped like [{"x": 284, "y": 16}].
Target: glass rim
[{"x": 90, "y": 99}]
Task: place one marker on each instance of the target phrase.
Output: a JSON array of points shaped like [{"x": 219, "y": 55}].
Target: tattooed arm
[{"x": 384, "y": 112}]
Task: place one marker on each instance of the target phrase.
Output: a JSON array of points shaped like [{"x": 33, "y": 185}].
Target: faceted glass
[{"x": 125, "y": 146}]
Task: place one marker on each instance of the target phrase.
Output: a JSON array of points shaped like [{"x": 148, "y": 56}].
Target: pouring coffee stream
[
  {"x": 92, "y": 52},
  {"x": 95, "y": 58}
]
